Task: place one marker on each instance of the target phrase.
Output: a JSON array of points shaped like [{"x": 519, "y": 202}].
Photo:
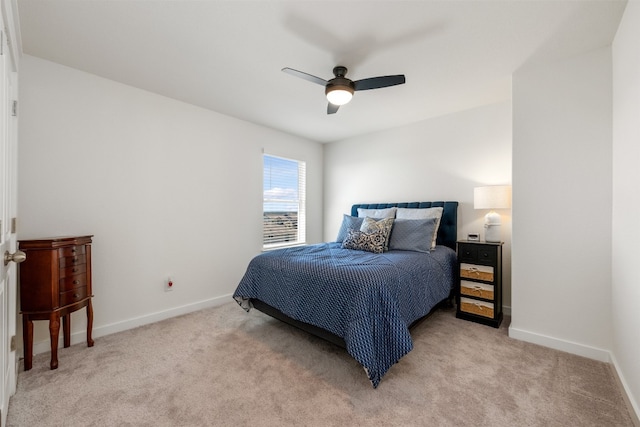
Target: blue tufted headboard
[{"x": 448, "y": 231}]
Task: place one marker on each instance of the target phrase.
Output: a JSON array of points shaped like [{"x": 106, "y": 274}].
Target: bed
[{"x": 362, "y": 298}]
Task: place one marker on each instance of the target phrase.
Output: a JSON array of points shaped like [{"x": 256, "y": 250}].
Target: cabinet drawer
[
  {"x": 474, "y": 253},
  {"x": 468, "y": 253},
  {"x": 480, "y": 308},
  {"x": 71, "y": 251},
  {"x": 478, "y": 272},
  {"x": 73, "y": 270},
  {"x": 74, "y": 295},
  {"x": 69, "y": 261},
  {"x": 476, "y": 289},
  {"x": 487, "y": 255},
  {"x": 73, "y": 282}
]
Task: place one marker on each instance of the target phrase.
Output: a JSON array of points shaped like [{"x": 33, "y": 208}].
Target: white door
[{"x": 8, "y": 202}]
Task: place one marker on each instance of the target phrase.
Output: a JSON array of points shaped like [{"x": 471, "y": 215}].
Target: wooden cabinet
[
  {"x": 55, "y": 280},
  {"x": 479, "y": 295}
]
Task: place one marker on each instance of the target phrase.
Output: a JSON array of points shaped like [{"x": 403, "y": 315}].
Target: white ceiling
[{"x": 226, "y": 56}]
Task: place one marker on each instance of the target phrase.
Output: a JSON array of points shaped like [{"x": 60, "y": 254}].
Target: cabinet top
[
  {"x": 481, "y": 242},
  {"x": 54, "y": 242}
]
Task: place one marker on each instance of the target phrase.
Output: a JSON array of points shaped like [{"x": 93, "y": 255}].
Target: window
[{"x": 283, "y": 207}]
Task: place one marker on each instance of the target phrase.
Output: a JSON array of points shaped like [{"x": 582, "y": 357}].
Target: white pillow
[
  {"x": 425, "y": 213},
  {"x": 377, "y": 213}
]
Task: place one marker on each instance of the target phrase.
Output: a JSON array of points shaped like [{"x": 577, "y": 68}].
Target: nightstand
[
  {"x": 55, "y": 280},
  {"x": 479, "y": 296}
]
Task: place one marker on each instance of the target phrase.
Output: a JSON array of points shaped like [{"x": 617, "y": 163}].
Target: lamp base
[
  {"x": 492, "y": 224},
  {"x": 492, "y": 233}
]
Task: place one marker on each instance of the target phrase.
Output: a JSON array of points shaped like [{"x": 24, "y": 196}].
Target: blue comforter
[{"x": 367, "y": 299}]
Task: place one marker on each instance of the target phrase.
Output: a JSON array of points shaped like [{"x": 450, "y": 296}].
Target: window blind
[{"x": 283, "y": 209}]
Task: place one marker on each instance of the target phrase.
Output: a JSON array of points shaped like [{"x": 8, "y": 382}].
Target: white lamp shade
[
  {"x": 492, "y": 197},
  {"x": 339, "y": 96}
]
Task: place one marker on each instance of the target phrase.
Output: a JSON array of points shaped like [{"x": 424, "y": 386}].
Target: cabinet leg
[
  {"x": 54, "y": 332},
  {"x": 27, "y": 337},
  {"x": 89, "y": 324},
  {"x": 66, "y": 330}
]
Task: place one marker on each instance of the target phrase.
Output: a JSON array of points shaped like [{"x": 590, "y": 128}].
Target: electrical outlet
[{"x": 169, "y": 285}]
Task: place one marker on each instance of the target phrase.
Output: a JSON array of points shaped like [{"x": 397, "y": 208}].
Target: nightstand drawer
[
  {"x": 479, "y": 308},
  {"x": 475, "y": 253},
  {"x": 73, "y": 270},
  {"x": 468, "y": 253},
  {"x": 475, "y": 289},
  {"x": 487, "y": 255},
  {"x": 71, "y": 251},
  {"x": 69, "y": 261},
  {"x": 477, "y": 272},
  {"x": 72, "y": 282},
  {"x": 74, "y": 295}
]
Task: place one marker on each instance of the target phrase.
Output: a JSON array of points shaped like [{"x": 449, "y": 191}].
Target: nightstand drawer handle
[
  {"x": 75, "y": 296},
  {"x": 76, "y": 282}
]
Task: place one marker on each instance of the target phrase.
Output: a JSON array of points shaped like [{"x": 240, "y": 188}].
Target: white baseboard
[
  {"x": 585, "y": 351},
  {"x": 506, "y": 310},
  {"x": 634, "y": 409},
  {"x": 100, "y": 331},
  {"x": 562, "y": 345}
]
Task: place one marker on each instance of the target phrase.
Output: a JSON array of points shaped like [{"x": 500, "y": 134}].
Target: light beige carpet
[{"x": 223, "y": 366}]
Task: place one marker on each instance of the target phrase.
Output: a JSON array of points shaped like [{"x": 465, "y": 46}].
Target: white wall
[
  {"x": 626, "y": 201},
  {"x": 562, "y": 177},
  {"x": 438, "y": 159},
  {"x": 166, "y": 188}
]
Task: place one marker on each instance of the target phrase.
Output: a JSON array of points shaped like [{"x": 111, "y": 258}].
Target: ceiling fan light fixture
[
  {"x": 339, "y": 90},
  {"x": 339, "y": 94}
]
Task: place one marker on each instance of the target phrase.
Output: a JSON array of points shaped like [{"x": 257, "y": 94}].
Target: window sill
[{"x": 282, "y": 246}]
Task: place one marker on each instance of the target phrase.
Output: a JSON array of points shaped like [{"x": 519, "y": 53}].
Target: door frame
[{"x": 11, "y": 49}]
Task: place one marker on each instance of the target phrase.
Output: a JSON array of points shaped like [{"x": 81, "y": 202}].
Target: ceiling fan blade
[
  {"x": 379, "y": 82},
  {"x": 332, "y": 108},
  {"x": 308, "y": 77}
]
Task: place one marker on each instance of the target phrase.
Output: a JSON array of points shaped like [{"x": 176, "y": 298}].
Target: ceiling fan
[{"x": 339, "y": 90}]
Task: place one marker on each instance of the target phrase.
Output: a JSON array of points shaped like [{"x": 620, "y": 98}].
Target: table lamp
[{"x": 492, "y": 197}]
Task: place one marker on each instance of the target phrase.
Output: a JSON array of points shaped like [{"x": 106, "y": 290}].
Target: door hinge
[
  {"x": 14, "y": 108},
  {"x": 14, "y": 225},
  {"x": 13, "y": 343}
]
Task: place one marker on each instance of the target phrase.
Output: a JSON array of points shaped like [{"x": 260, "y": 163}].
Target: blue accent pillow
[
  {"x": 348, "y": 222},
  {"x": 412, "y": 234},
  {"x": 426, "y": 213}
]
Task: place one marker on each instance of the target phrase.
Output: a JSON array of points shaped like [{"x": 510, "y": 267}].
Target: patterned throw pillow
[
  {"x": 370, "y": 242},
  {"x": 371, "y": 225}
]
